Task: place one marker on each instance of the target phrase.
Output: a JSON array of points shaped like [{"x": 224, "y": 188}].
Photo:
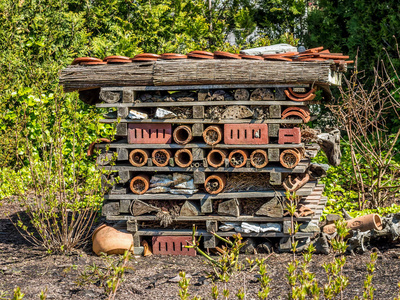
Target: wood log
[
  {"x": 230, "y": 208},
  {"x": 140, "y": 208},
  {"x": 109, "y": 96},
  {"x": 242, "y": 95},
  {"x": 189, "y": 208},
  {"x": 212, "y": 226},
  {"x": 237, "y": 112},
  {"x": 261, "y": 95},
  {"x": 132, "y": 225},
  {"x": 210, "y": 242},
  {"x": 272, "y": 208},
  {"x": 198, "y": 112}
]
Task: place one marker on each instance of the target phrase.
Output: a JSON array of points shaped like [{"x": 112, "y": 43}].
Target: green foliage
[{"x": 355, "y": 27}]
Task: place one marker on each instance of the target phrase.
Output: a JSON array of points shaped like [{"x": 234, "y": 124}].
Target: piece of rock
[
  {"x": 309, "y": 227},
  {"x": 162, "y": 113}
]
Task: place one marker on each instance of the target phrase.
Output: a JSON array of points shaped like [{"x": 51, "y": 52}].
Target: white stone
[
  {"x": 276, "y": 227},
  {"x": 162, "y": 113},
  {"x": 273, "y": 49},
  {"x": 137, "y": 115}
]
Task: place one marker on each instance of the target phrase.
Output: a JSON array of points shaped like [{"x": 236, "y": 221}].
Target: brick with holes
[
  {"x": 289, "y": 136},
  {"x": 172, "y": 245},
  {"x": 242, "y": 134},
  {"x": 149, "y": 133}
]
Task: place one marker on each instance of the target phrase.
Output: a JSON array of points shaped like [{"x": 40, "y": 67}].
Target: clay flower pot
[
  {"x": 363, "y": 223},
  {"x": 109, "y": 240}
]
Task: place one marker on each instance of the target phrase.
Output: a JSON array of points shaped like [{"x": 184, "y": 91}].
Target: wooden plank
[
  {"x": 206, "y": 121},
  {"x": 205, "y": 87},
  {"x": 124, "y": 144},
  {"x": 272, "y": 167},
  {"x": 205, "y": 103}
]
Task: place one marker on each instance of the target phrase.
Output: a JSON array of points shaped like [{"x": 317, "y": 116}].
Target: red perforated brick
[
  {"x": 173, "y": 245},
  {"x": 149, "y": 133},
  {"x": 289, "y": 136},
  {"x": 241, "y": 134}
]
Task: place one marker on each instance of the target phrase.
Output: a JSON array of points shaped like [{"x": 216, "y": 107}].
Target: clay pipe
[
  {"x": 297, "y": 184},
  {"x": 304, "y": 95},
  {"x": 290, "y": 158},
  {"x": 259, "y": 158},
  {"x": 216, "y": 158},
  {"x": 238, "y": 158},
  {"x": 160, "y": 157},
  {"x": 215, "y": 184},
  {"x": 182, "y": 135},
  {"x": 140, "y": 184},
  {"x": 212, "y": 135},
  {"x": 183, "y": 158},
  {"x": 291, "y": 97},
  {"x": 363, "y": 223},
  {"x": 91, "y": 146},
  {"x": 138, "y": 157}
]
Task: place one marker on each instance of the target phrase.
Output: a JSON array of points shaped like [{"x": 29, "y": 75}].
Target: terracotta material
[
  {"x": 146, "y": 249},
  {"x": 173, "y": 56},
  {"x": 206, "y": 53},
  {"x": 302, "y": 112},
  {"x": 243, "y": 134},
  {"x": 296, "y": 184},
  {"x": 302, "y": 95},
  {"x": 91, "y": 146},
  {"x": 296, "y": 114},
  {"x": 183, "y": 158},
  {"x": 290, "y": 158},
  {"x": 182, "y": 134},
  {"x": 109, "y": 240},
  {"x": 305, "y": 211},
  {"x": 286, "y": 54},
  {"x": 116, "y": 57},
  {"x": 140, "y": 184},
  {"x": 160, "y": 157},
  {"x": 147, "y": 55},
  {"x": 259, "y": 158},
  {"x": 254, "y": 57},
  {"x": 325, "y": 51},
  {"x": 332, "y": 56},
  {"x": 215, "y": 183},
  {"x": 199, "y": 56},
  {"x": 212, "y": 135},
  {"x": 349, "y": 61},
  {"x": 238, "y": 158},
  {"x": 278, "y": 58},
  {"x": 291, "y": 97},
  {"x": 363, "y": 223},
  {"x": 314, "y": 59},
  {"x": 79, "y": 60},
  {"x": 143, "y": 59},
  {"x": 118, "y": 61},
  {"x": 216, "y": 158},
  {"x": 172, "y": 245},
  {"x": 226, "y": 55},
  {"x": 93, "y": 63},
  {"x": 289, "y": 136},
  {"x": 313, "y": 50},
  {"x": 149, "y": 133},
  {"x": 138, "y": 157}
]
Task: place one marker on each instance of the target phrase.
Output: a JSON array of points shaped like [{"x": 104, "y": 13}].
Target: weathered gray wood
[
  {"x": 273, "y": 208},
  {"x": 203, "y": 94},
  {"x": 140, "y": 208},
  {"x": 199, "y": 177},
  {"x": 110, "y": 97},
  {"x": 206, "y": 206},
  {"x": 110, "y": 209},
  {"x": 273, "y": 155},
  {"x": 237, "y": 112},
  {"x": 197, "y": 129},
  {"x": 124, "y": 205},
  {"x": 210, "y": 242},
  {"x": 280, "y": 93},
  {"x": 128, "y": 96},
  {"x": 118, "y": 190},
  {"x": 149, "y": 162},
  {"x": 275, "y": 111},
  {"x": 261, "y": 94},
  {"x": 122, "y": 112},
  {"x": 242, "y": 95},
  {"x": 190, "y": 208},
  {"x": 198, "y": 153},
  {"x": 206, "y": 121},
  {"x": 273, "y": 130},
  {"x": 136, "y": 240},
  {"x": 124, "y": 176},
  {"x": 205, "y": 103},
  {"x": 286, "y": 226},
  {"x": 132, "y": 225},
  {"x": 230, "y": 207},
  {"x": 104, "y": 159},
  {"x": 123, "y": 154},
  {"x": 198, "y": 112},
  {"x": 211, "y": 226},
  {"x": 275, "y": 178},
  {"x": 216, "y": 71},
  {"x": 122, "y": 129}
]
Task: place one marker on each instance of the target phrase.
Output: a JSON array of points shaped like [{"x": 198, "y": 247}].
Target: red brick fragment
[
  {"x": 289, "y": 136},
  {"x": 149, "y": 133},
  {"x": 242, "y": 134},
  {"x": 172, "y": 245}
]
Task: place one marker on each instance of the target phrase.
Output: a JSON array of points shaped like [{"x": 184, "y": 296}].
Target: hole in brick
[
  {"x": 173, "y": 246},
  {"x": 159, "y": 247},
  {"x": 289, "y": 135},
  {"x": 231, "y": 134},
  {"x": 157, "y": 133},
  {"x": 245, "y": 134},
  {"x": 181, "y": 246},
  {"x": 166, "y": 246},
  {"x": 253, "y": 133},
  {"x": 149, "y": 133},
  {"x": 238, "y": 134},
  {"x": 163, "y": 133}
]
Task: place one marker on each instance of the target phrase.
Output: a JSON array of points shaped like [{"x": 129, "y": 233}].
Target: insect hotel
[{"x": 215, "y": 140}]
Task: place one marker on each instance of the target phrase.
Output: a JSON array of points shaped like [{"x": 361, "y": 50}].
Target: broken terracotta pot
[
  {"x": 226, "y": 55},
  {"x": 363, "y": 223},
  {"x": 109, "y": 240},
  {"x": 92, "y": 145},
  {"x": 253, "y": 57},
  {"x": 302, "y": 95},
  {"x": 80, "y": 60},
  {"x": 172, "y": 56}
]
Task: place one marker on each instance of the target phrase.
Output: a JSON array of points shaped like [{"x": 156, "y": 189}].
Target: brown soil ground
[{"x": 33, "y": 270}]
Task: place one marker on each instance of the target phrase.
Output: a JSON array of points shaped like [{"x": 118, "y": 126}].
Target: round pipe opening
[
  {"x": 183, "y": 134},
  {"x": 183, "y": 158},
  {"x": 216, "y": 158},
  {"x": 138, "y": 157}
]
